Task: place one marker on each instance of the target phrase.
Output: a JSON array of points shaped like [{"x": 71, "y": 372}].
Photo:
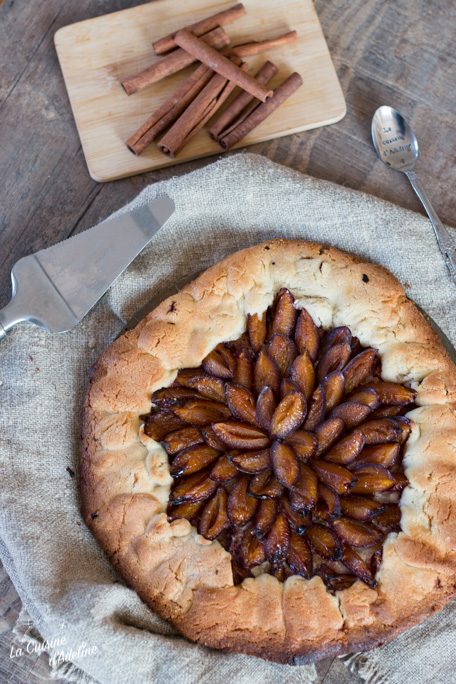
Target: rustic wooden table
[{"x": 399, "y": 53}]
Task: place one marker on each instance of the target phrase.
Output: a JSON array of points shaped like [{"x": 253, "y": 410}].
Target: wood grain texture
[
  {"x": 95, "y": 55},
  {"x": 399, "y": 53}
]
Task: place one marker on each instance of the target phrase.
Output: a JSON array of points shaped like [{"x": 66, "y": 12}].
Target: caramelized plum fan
[{"x": 286, "y": 446}]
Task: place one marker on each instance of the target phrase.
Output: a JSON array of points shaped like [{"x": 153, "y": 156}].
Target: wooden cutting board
[{"x": 96, "y": 54}]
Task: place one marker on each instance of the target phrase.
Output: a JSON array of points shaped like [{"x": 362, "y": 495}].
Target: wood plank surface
[
  {"x": 399, "y": 53},
  {"x": 95, "y": 55}
]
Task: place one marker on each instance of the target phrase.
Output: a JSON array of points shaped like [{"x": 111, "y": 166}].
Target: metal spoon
[{"x": 397, "y": 146}]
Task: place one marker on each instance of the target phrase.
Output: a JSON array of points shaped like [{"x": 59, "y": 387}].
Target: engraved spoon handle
[{"x": 441, "y": 233}]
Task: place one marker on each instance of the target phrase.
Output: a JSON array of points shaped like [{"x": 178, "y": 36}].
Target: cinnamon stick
[
  {"x": 254, "y": 48},
  {"x": 264, "y": 109},
  {"x": 237, "y": 107},
  {"x": 177, "y": 60},
  {"x": 197, "y": 113},
  {"x": 200, "y": 27},
  {"x": 222, "y": 65},
  {"x": 170, "y": 110}
]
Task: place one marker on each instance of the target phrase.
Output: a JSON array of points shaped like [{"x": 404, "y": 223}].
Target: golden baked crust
[{"x": 187, "y": 579}]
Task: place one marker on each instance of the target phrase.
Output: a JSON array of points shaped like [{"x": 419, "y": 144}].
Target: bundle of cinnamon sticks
[{"x": 221, "y": 70}]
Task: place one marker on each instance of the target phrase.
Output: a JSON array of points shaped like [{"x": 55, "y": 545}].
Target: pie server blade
[
  {"x": 56, "y": 287},
  {"x": 163, "y": 294}
]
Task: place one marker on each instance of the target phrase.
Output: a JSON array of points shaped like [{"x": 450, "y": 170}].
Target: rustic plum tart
[{"x": 269, "y": 458}]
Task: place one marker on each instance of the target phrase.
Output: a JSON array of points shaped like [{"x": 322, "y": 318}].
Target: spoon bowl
[{"x": 394, "y": 140}]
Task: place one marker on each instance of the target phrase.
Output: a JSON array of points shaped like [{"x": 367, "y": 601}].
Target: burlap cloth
[{"x": 98, "y": 628}]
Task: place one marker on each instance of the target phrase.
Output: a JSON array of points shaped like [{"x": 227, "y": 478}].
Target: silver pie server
[
  {"x": 56, "y": 287},
  {"x": 397, "y": 146}
]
